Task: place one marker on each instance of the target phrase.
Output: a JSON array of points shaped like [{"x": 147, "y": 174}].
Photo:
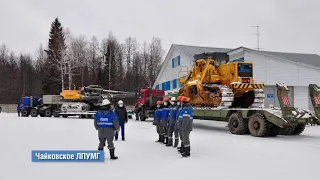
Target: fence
[{"x": 8, "y": 108}]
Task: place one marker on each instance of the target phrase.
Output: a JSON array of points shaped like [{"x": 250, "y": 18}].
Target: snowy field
[{"x": 215, "y": 153}]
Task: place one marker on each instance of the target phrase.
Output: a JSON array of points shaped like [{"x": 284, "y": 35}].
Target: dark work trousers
[{"x": 122, "y": 132}]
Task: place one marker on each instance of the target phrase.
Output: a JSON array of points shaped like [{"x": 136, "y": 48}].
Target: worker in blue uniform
[
  {"x": 177, "y": 132},
  {"x": 156, "y": 120},
  {"x": 186, "y": 118},
  {"x": 164, "y": 120},
  {"x": 106, "y": 123},
  {"x": 172, "y": 121}
]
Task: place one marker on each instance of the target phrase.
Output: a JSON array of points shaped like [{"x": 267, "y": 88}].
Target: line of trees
[{"x": 71, "y": 61}]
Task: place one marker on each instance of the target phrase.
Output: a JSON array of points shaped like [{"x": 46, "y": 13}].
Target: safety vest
[{"x": 104, "y": 120}]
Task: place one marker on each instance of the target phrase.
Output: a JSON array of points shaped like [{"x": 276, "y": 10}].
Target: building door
[{"x": 301, "y": 97}]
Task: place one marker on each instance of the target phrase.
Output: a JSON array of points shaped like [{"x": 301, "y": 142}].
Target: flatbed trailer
[{"x": 263, "y": 122}]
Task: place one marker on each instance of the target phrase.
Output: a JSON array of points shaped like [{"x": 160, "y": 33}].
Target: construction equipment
[
  {"x": 262, "y": 122},
  {"x": 87, "y": 100},
  {"x": 216, "y": 82},
  {"x": 34, "y": 106},
  {"x": 146, "y": 102}
]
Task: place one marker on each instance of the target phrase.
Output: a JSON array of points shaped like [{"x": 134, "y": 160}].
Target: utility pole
[{"x": 258, "y": 35}]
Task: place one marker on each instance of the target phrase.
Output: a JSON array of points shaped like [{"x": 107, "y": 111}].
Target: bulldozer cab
[{"x": 245, "y": 69}]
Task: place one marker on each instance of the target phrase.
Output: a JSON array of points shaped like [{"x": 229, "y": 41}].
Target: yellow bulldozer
[{"x": 216, "y": 82}]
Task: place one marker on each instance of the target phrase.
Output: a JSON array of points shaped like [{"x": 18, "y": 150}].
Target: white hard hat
[
  {"x": 120, "y": 102},
  {"x": 105, "y": 102},
  {"x": 173, "y": 98}
]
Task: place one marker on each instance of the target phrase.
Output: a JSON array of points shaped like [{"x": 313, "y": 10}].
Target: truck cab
[{"x": 147, "y": 102}]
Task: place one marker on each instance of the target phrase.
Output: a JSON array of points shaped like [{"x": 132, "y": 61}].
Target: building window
[
  {"x": 168, "y": 85},
  {"x": 163, "y": 85},
  {"x": 175, "y": 62},
  {"x": 158, "y": 86},
  {"x": 174, "y": 84}
]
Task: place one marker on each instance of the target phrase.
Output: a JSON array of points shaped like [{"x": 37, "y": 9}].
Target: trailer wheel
[
  {"x": 25, "y": 113},
  {"x": 64, "y": 116},
  {"x": 287, "y": 131},
  {"x": 34, "y": 112},
  {"x": 48, "y": 112},
  {"x": 258, "y": 125},
  {"x": 298, "y": 129},
  {"x": 274, "y": 130},
  {"x": 41, "y": 115},
  {"x": 236, "y": 124},
  {"x": 55, "y": 114}
]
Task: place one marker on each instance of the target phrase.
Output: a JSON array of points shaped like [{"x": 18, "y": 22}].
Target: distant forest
[{"x": 70, "y": 61}]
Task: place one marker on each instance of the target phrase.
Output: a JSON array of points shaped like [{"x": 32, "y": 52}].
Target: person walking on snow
[
  {"x": 172, "y": 121},
  {"x": 156, "y": 120},
  {"x": 164, "y": 120},
  {"x": 186, "y": 118},
  {"x": 122, "y": 115},
  {"x": 106, "y": 123}
]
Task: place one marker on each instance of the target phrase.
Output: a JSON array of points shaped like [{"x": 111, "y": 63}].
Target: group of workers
[{"x": 174, "y": 116}]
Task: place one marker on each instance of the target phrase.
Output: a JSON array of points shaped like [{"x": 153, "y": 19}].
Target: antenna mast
[{"x": 258, "y": 35}]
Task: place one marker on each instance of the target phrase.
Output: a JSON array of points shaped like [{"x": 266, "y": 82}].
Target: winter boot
[
  {"x": 100, "y": 149},
  {"x": 162, "y": 138},
  {"x": 169, "y": 142},
  {"x": 123, "y": 139},
  {"x": 176, "y": 142},
  {"x": 112, "y": 154},
  {"x": 187, "y": 152},
  {"x": 159, "y": 140},
  {"x": 182, "y": 149}
]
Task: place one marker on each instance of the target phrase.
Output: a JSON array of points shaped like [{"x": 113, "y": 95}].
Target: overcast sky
[{"x": 285, "y": 25}]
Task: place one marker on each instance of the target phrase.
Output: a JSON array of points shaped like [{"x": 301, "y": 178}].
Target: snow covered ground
[{"x": 215, "y": 153}]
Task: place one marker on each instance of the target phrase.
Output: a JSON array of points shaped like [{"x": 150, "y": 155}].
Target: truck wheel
[
  {"x": 55, "y": 114},
  {"x": 64, "y": 116},
  {"x": 41, "y": 115},
  {"x": 48, "y": 112},
  {"x": 25, "y": 113},
  {"x": 258, "y": 125},
  {"x": 274, "y": 130},
  {"x": 287, "y": 131},
  {"x": 236, "y": 124},
  {"x": 34, "y": 112},
  {"x": 298, "y": 129}
]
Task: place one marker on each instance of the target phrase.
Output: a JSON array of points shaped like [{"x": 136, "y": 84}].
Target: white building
[{"x": 297, "y": 71}]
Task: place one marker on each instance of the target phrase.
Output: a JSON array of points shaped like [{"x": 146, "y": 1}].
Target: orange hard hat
[
  {"x": 184, "y": 99},
  {"x": 158, "y": 102},
  {"x": 179, "y": 98},
  {"x": 166, "y": 99}
]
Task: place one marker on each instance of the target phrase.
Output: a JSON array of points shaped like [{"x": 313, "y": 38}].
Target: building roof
[
  {"x": 192, "y": 50},
  {"x": 309, "y": 59}
]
